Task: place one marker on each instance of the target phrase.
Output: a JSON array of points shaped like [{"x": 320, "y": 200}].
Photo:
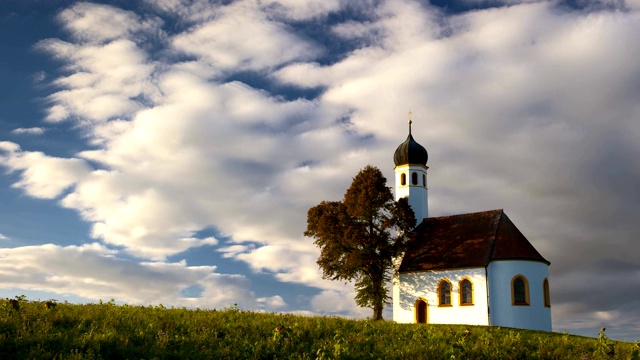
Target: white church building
[{"x": 475, "y": 268}]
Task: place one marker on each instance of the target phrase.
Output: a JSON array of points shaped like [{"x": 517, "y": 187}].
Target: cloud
[
  {"x": 340, "y": 301},
  {"x": 44, "y": 176},
  {"x": 4, "y": 237},
  {"x": 581, "y": 307},
  {"x": 8, "y": 146},
  {"x": 273, "y": 302},
  {"x": 633, "y": 4},
  {"x": 295, "y": 263},
  {"x": 140, "y": 196},
  {"x": 39, "y": 77},
  {"x": 241, "y": 37},
  {"x": 190, "y": 11},
  {"x": 95, "y": 272},
  {"x": 232, "y": 251},
  {"x": 300, "y": 10},
  {"x": 109, "y": 75},
  {"x": 199, "y": 11},
  {"x": 145, "y": 160},
  {"x": 29, "y": 131},
  {"x": 107, "y": 81},
  {"x": 99, "y": 23}
]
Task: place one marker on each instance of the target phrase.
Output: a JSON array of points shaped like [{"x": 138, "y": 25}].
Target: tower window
[
  {"x": 414, "y": 178},
  {"x": 545, "y": 291},
  {"x": 466, "y": 292},
  {"x": 444, "y": 293},
  {"x": 424, "y": 180},
  {"x": 519, "y": 290},
  {"x": 403, "y": 179}
]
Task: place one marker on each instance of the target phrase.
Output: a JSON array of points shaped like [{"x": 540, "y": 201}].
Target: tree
[{"x": 360, "y": 236}]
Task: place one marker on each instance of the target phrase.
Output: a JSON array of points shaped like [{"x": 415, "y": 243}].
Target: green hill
[{"x": 41, "y": 330}]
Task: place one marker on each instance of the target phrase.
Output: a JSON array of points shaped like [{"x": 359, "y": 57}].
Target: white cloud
[
  {"x": 57, "y": 113},
  {"x": 9, "y": 146},
  {"x": 289, "y": 260},
  {"x": 191, "y": 11},
  {"x": 105, "y": 132},
  {"x": 3, "y": 237},
  {"x": 148, "y": 222},
  {"x": 44, "y": 176},
  {"x": 29, "y": 131},
  {"x": 232, "y": 251},
  {"x": 340, "y": 301},
  {"x": 107, "y": 81},
  {"x": 633, "y": 4},
  {"x": 95, "y": 272},
  {"x": 241, "y": 37},
  {"x": 273, "y": 302},
  {"x": 109, "y": 74},
  {"x": 505, "y": 2},
  {"x": 141, "y": 199},
  {"x": 97, "y": 23},
  {"x": 300, "y": 10}
]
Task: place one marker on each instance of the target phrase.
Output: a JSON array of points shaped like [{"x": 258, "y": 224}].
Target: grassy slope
[{"x": 108, "y": 331}]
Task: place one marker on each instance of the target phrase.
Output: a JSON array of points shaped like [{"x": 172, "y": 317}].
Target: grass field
[{"x": 46, "y": 330}]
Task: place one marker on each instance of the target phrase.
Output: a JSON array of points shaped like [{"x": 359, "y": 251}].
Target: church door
[{"x": 421, "y": 311}]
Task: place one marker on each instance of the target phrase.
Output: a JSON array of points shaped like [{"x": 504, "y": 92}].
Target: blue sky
[{"x": 167, "y": 151}]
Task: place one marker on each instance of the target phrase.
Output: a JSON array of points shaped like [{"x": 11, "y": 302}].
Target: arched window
[
  {"x": 403, "y": 179},
  {"x": 466, "y": 292},
  {"x": 444, "y": 293},
  {"x": 545, "y": 291},
  {"x": 421, "y": 311},
  {"x": 424, "y": 180},
  {"x": 414, "y": 178},
  {"x": 519, "y": 290}
]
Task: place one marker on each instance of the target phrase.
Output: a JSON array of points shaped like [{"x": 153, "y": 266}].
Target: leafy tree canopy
[{"x": 360, "y": 236}]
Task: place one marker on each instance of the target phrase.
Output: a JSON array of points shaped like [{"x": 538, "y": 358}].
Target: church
[{"x": 475, "y": 269}]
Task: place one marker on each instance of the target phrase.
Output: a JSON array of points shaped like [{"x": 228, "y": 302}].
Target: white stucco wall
[
  {"x": 502, "y": 311},
  {"x": 418, "y": 194},
  {"x": 413, "y": 286}
]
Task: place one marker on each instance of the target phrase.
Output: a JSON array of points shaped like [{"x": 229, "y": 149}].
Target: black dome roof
[{"x": 410, "y": 152}]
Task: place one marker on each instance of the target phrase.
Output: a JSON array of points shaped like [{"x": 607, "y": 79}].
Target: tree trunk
[{"x": 377, "y": 312}]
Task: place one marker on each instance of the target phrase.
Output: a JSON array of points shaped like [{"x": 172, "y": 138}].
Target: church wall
[
  {"x": 503, "y": 313},
  {"x": 413, "y": 286}
]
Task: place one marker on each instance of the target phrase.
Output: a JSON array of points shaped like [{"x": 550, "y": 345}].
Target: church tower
[{"x": 411, "y": 175}]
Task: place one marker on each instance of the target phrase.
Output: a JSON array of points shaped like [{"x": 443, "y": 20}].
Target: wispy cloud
[
  {"x": 92, "y": 271},
  {"x": 29, "y": 131}
]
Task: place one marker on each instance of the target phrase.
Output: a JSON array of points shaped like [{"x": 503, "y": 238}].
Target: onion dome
[{"x": 410, "y": 152}]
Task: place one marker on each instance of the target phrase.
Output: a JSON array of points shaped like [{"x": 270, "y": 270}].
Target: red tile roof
[{"x": 466, "y": 240}]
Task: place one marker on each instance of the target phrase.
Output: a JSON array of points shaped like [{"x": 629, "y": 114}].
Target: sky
[{"x": 167, "y": 151}]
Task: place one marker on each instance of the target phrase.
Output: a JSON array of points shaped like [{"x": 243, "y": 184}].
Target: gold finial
[{"x": 410, "y": 113}]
